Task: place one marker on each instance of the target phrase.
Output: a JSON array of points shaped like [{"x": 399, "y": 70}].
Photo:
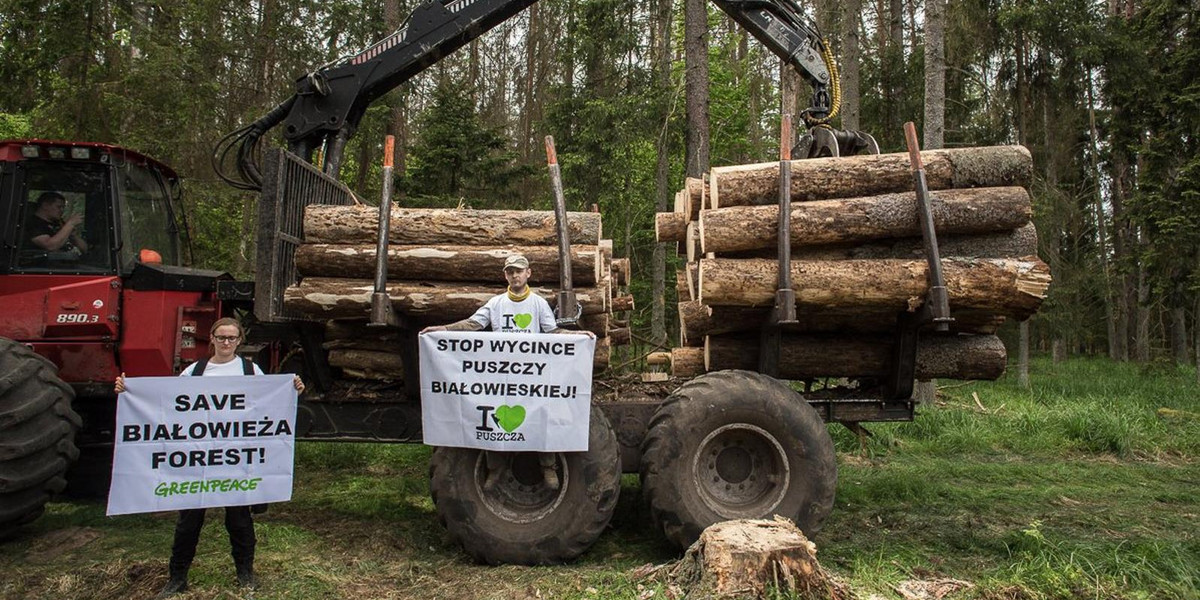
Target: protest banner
[
  {"x": 506, "y": 391},
  {"x": 199, "y": 442}
]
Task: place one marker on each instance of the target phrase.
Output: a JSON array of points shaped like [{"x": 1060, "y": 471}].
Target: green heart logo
[
  {"x": 523, "y": 320},
  {"x": 509, "y": 417}
]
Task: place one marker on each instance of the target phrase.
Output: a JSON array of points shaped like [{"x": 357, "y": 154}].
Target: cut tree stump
[
  {"x": 857, "y": 220},
  {"x": 805, "y": 356},
  {"x": 334, "y": 224},
  {"x": 334, "y": 298},
  {"x": 870, "y": 175},
  {"x": 1013, "y": 288},
  {"x": 749, "y": 558},
  {"x": 444, "y": 263}
]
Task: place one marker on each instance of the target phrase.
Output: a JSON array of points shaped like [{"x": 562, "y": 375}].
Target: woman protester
[{"x": 225, "y": 337}]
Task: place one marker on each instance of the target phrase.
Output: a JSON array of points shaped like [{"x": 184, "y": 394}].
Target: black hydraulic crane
[{"x": 330, "y": 101}]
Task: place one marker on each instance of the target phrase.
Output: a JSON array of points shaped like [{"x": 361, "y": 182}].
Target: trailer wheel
[
  {"x": 521, "y": 520},
  {"x": 37, "y": 434},
  {"x": 736, "y": 445}
]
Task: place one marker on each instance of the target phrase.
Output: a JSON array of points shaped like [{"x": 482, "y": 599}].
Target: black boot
[
  {"x": 175, "y": 586},
  {"x": 245, "y": 576}
]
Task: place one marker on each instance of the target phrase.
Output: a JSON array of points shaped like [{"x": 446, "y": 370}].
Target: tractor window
[
  {"x": 63, "y": 223},
  {"x": 147, "y": 225}
]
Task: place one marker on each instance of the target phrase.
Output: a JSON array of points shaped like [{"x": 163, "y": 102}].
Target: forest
[{"x": 639, "y": 95}]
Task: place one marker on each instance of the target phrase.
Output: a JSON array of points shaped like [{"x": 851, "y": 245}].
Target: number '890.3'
[{"x": 77, "y": 318}]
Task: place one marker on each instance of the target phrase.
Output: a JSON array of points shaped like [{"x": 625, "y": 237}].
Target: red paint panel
[
  {"x": 81, "y": 362},
  {"x": 151, "y": 330},
  {"x": 30, "y": 306}
]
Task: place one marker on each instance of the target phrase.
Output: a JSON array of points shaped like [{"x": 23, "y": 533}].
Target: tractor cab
[{"x": 116, "y": 204}]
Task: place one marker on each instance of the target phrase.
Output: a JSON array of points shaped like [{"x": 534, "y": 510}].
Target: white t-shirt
[
  {"x": 233, "y": 367},
  {"x": 531, "y": 315}
]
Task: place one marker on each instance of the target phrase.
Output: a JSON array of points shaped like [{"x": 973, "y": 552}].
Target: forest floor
[{"x": 1081, "y": 487}]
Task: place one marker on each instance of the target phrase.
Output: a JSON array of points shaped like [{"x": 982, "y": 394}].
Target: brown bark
[
  {"x": 681, "y": 284},
  {"x": 856, "y": 220},
  {"x": 619, "y": 336},
  {"x": 687, "y": 362},
  {"x": 1013, "y": 288},
  {"x": 870, "y": 175},
  {"x": 368, "y": 364},
  {"x": 622, "y": 303},
  {"x": 1019, "y": 242},
  {"x": 333, "y": 224},
  {"x": 357, "y": 335},
  {"x": 597, "y": 323},
  {"x": 697, "y": 320},
  {"x": 812, "y": 356},
  {"x": 694, "y": 197},
  {"x": 748, "y": 558},
  {"x": 670, "y": 227},
  {"x": 621, "y": 273},
  {"x": 603, "y": 355},
  {"x": 692, "y": 243},
  {"x": 658, "y": 358},
  {"x": 333, "y": 298},
  {"x": 445, "y": 263}
]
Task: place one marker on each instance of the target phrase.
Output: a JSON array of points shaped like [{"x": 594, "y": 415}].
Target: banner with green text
[
  {"x": 200, "y": 442},
  {"x": 506, "y": 391}
]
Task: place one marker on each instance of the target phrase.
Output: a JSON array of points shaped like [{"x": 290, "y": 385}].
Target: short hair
[{"x": 47, "y": 197}]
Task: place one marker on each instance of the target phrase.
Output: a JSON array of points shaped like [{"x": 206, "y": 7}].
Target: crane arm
[{"x": 330, "y": 101}]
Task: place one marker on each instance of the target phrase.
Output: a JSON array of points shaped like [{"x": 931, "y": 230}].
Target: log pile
[
  {"x": 858, "y": 262},
  {"x": 443, "y": 264}
]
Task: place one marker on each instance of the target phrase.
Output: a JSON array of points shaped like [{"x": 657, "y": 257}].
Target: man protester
[{"x": 498, "y": 313}]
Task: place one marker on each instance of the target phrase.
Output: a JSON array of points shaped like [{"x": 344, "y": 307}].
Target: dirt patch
[
  {"x": 56, "y": 543},
  {"x": 931, "y": 589}
]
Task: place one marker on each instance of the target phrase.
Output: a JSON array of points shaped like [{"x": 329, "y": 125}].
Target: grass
[{"x": 1080, "y": 487}]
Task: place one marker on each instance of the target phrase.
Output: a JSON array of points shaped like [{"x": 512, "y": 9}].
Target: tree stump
[{"x": 754, "y": 558}]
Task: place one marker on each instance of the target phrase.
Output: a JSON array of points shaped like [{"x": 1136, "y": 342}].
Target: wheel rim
[
  {"x": 741, "y": 471},
  {"x": 521, "y": 495}
]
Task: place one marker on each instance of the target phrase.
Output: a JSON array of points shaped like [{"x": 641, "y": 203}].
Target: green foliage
[
  {"x": 456, "y": 156},
  {"x": 14, "y": 126}
]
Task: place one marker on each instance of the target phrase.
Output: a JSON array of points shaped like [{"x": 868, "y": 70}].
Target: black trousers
[{"x": 238, "y": 523}]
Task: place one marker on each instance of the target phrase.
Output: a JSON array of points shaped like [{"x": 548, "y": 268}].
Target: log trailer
[{"x": 724, "y": 445}]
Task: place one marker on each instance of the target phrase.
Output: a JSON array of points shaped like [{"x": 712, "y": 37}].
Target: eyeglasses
[{"x": 227, "y": 339}]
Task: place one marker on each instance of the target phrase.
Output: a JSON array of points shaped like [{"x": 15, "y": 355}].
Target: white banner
[
  {"x": 506, "y": 391},
  {"x": 199, "y": 442}
]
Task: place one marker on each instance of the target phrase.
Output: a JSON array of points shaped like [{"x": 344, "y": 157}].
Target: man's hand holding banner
[
  {"x": 506, "y": 391},
  {"x": 199, "y": 442}
]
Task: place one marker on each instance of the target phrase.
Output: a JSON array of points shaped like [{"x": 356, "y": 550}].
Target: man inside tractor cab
[{"x": 47, "y": 230}]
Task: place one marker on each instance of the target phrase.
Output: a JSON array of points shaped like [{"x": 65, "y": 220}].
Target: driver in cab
[{"x": 47, "y": 229}]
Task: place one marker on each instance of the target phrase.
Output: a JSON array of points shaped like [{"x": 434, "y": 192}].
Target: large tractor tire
[
  {"x": 520, "y": 519},
  {"x": 37, "y": 434},
  {"x": 736, "y": 445}
]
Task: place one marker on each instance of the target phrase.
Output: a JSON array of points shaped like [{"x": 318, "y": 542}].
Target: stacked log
[
  {"x": 858, "y": 262},
  {"x": 443, "y": 264}
]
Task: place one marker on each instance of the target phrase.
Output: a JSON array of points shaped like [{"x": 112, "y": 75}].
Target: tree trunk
[
  {"x": 697, "y": 320},
  {"x": 870, "y": 175},
  {"x": 696, "y": 85},
  {"x": 1179, "y": 336},
  {"x": 331, "y": 298},
  {"x": 855, "y": 220},
  {"x": 687, "y": 362},
  {"x": 851, "y": 22},
  {"x": 815, "y": 356},
  {"x": 1013, "y": 288},
  {"x": 670, "y": 227},
  {"x": 1018, "y": 243},
  {"x": 368, "y": 364},
  {"x": 445, "y": 263},
  {"x": 935, "y": 74},
  {"x": 1142, "y": 340},
  {"x": 333, "y": 224}
]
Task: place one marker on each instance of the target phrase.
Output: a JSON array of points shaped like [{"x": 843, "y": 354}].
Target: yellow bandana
[{"x": 519, "y": 297}]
